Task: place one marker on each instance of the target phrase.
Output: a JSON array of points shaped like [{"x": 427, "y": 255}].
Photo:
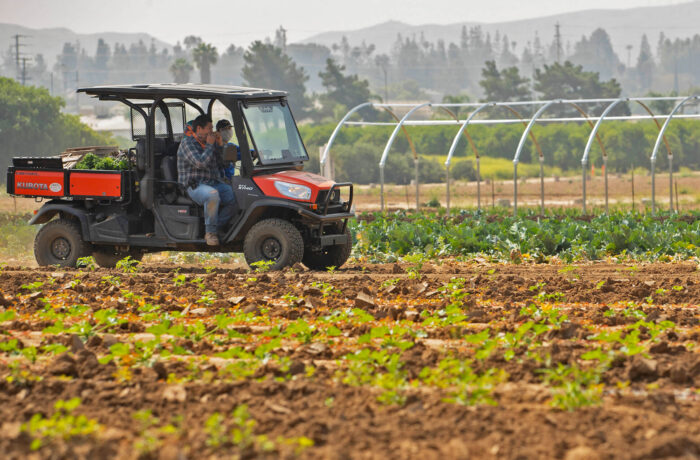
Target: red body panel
[
  {"x": 313, "y": 181},
  {"x": 95, "y": 184},
  {"x": 39, "y": 183}
]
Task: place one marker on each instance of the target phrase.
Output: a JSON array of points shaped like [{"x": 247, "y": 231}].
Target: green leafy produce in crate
[{"x": 92, "y": 161}]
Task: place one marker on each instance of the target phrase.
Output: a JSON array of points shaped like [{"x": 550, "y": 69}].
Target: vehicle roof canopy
[{"x": 175, "y": 90}]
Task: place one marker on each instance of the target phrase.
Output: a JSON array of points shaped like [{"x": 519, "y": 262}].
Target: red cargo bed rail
[{"x": 34, "y": 182}]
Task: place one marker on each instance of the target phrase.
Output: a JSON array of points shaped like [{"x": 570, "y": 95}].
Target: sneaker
[{"x": 212, "y": 239}]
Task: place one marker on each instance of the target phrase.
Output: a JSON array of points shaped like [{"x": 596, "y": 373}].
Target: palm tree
[
  {"x": 205, "y": 55},
  {"x": 181, "y": 69}
]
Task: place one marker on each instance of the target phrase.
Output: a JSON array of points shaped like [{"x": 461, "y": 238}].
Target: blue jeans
[{"x": 218, "y": 201}]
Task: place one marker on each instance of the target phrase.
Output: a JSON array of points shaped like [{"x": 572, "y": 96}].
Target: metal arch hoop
[
  {"x": 455, "y": 142},
  {"x": 670, "y": 158},
  {"x": 385, "y": 154},
  {"x": 447, "y": 166},
  {"x": 521, "y": 144},
  {"x": 327, "y": 150},
  {"x": 589, "y": 144},
  {"x": 453, "y": 147},
  {"x": 656, "y": 149}
]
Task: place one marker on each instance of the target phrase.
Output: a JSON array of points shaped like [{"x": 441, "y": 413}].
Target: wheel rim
[
  {"x": 271, "y": 248},
  {"x": 60, "y": 248}
]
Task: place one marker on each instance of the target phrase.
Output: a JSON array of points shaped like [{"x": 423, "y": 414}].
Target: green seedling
[
  {"x": 128, "y": 265},
  {"x": 87, "y": 262},
  {"x": 33, "y": 287},
  {"x": 573, "y": 387},
  {"x": 390, "y": 282},
  {"x": 63, "y": 424},
  {"x": 262, "y": 266},
  {"x": 325, "y": 288}
]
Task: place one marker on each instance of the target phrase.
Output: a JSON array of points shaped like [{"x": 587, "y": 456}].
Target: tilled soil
[{"x": 648, "y": 404}]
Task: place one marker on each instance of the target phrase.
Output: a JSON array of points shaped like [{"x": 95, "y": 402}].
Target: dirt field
[{"x": 463, "y": 363}]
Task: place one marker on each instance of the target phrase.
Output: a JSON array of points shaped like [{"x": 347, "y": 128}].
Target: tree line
[{"x": 414, "y": 69}]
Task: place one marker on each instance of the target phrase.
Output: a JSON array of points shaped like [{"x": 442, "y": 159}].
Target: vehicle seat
[
  {"x": 173, "y": 193},
  {"x": 159, "y": 148}
]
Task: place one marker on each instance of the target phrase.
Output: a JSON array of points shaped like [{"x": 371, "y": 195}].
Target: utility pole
[
  {"x": 18, "y": 54},
  {"x": 24, "y": 71},
  {"x": 386, "y": 91},
  {"x": 77, "y": 101},
  {"x": 557, "y": 41}
]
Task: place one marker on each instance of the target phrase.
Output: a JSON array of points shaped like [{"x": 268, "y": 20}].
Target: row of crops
[{"x": 568, "y": 236}]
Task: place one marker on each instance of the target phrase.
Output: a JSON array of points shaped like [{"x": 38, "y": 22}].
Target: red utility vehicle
[{"x": 285, "y": 215}]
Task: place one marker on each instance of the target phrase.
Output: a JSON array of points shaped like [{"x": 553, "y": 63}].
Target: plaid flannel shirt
[{"x": 197, "y": 164}]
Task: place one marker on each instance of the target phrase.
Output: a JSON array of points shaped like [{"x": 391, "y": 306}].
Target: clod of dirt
[
  {"x": 664, "y": 347},
  {"x": 412, "y": 315},
  {"x": 108, "y": 340},
  {"x": 396, "y": 269},
  {"x": 581, "y": 453},
  {"x": 695, "y": 369},
  {"x": 641, "y": 291},
  {"x": 252, "y": 308},
  {"x": 364, "y": 300},
  {"x": 312, "y": 303},
  {"x": 277, "y": 408},
  {"x": 237, "y": 300},
  {"x": 312, "y": 291},
  {"x": 160, "y": 370},
  {"x": 175, "y": 393},
  {"x": 679, "y": 374},
  {"x": 391, "y": 289},
  {"x": 88, "y": 364},
  {"x": 569, "y": 330},
  {"x": 297, "y": 367},
  {"x": 643, "y": 368},
  {"x": 220, "y": 304},
  {"x": 64, "y": 364},
  {"x": 317, "y": 348},
  {"x": 76, "y": 344},
  {"x": 94, "y": 341}
]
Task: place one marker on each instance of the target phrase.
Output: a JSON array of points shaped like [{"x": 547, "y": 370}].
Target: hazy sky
[{"x": 240, "y": 22}]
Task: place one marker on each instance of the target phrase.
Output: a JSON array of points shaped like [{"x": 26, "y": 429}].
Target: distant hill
[
  {"x": 624, "y": 26},
  {"x": 49, "y": 42}
]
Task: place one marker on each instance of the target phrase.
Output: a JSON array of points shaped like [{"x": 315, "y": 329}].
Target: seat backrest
[
  {"x": 168, "y": 167},
  {"x": 159, "y": 148}
]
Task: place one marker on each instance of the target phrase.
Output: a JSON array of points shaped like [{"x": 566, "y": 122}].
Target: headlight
[{"x": 295, "y": 191}]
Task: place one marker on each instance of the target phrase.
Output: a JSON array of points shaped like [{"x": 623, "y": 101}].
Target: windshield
[{"x": 274, "y": 133}]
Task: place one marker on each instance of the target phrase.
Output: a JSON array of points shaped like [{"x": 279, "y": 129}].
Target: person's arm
[{"x": 198, "y": 160}]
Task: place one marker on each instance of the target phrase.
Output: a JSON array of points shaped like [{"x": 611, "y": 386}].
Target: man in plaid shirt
[{"x": 200, "y": 170}]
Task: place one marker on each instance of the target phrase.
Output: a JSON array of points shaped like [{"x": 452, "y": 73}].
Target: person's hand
[
  {"x": 219, "y": 140},
  {"x": 211, "y": 138}
]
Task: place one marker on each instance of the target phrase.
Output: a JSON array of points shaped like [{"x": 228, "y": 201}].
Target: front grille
[{"x": 322, "y": 194}]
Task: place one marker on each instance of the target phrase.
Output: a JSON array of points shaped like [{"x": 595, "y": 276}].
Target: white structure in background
[{"x": 541, "y": 108}]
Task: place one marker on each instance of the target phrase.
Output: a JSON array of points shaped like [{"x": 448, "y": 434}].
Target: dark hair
[
  {"x": 201, "y": 121},
  {"x": 223, "y": 124}
]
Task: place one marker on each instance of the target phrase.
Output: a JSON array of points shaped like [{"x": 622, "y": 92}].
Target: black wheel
[
  {"x": 274, "y": 240},
  {"x": 60, "y": 242},
  {"x": 108, "y": 257},
  {"x": 330, "y": 256}
]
